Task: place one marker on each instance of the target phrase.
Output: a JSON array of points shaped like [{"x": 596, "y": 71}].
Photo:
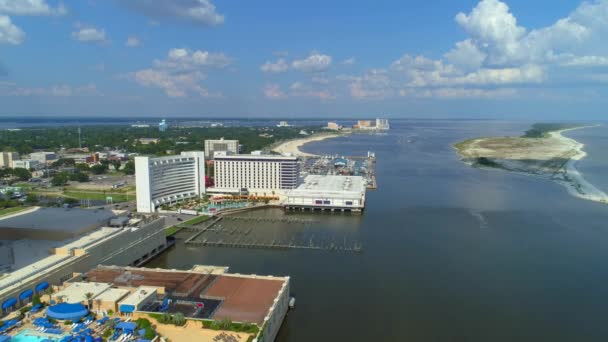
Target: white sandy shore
[
  {"x": 293, "y": 146},
  {"x": 571, "y": 178}
]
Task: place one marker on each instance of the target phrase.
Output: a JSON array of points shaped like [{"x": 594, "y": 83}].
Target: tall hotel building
[
  {"x": 255, "y": 173},
  {"x": 166, "y": 180}
]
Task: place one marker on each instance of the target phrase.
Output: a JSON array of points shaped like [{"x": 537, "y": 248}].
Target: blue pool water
[{"x": 28, "y": 336}]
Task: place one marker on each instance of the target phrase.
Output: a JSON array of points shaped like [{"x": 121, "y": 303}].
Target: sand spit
[
  {"x": 293, "y": 146},
  {"x": 553, "y": 158}
]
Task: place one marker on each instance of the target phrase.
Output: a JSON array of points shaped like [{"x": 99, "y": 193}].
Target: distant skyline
[{"x": 516, "y": 59}]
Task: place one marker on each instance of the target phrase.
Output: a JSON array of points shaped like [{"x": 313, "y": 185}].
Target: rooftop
[
  {"x": 57, "y": 219},
  {"x": 139, "y": 295},
  {"x": 325, "y": 183},
  {"x": 256, "y": 156},
  {"x": 244, "y": 298},
  {"x": 77, "y": 292},
  {"x": 112, "y": 295}
]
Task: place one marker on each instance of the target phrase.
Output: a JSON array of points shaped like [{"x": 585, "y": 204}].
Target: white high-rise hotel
[
  {"x": 170, "y": 179},
  {"x": 255, "y": 173}
]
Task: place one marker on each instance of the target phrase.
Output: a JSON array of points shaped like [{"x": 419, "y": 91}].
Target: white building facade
[
  {"x": 234, "y": 173},
  {"x": 346, "y": 193},
  {"x": 221, "y": 145},
  {"x": 7, "y": 158},
  {"x": 170, "y": 179},
  {"x": 26, "y": 164}
]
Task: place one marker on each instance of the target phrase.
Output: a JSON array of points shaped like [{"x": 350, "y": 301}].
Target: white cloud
[
  {"x": 349, "y": 61},
  {"x": 9, "y": 33},
  {"x": 185, "y": 59},
  {"x": 299, "y": 89},
  {"x": 273, "y": 91},
  {"x": 174, "y": 85},
  {"x": 200, "y": 12},
  {"x": 30, "y": 7},
  {"x": 466, "y": 56},
  {"x": 492, "y": 24},
  {"x": 89, "y": 34},
  {"x": 375, "y": 84},
  {"x": 132, "y": 41},
  {"x": 279, "y": 66},
  {"x": 314, "y": 63},
  {"x": 586, "y": 61},
  {"x": 181, "y": 73}
]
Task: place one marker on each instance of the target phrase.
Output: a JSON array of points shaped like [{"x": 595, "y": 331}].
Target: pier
[{"x": 356, "y": 248}]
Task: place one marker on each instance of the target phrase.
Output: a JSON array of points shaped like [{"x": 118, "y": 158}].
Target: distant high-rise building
[
  {"x": 163, "y": 125},
  {"x": 7, "y": 158},
  {"x": 283, "y": 124},
  {"x": 168, "y": 180},
  {"x": 334, "y": 126},
  {"x": 382, "y": 124},
  {"x": 221, "y": 145}
]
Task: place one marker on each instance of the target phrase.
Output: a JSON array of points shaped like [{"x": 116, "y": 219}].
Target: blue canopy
[
  {"x": 26, "y": 294},
  {"x": 67, "y": 311},
  {"x": 126, "y": 308},
  {"x": 42, "y": 286},
  {"x": 126, "y": 326},
  {"x": 9, "y": 303}
]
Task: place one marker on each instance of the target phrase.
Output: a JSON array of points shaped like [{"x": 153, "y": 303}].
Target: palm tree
[
  {"x": 89, "y": 296},
  {"x": 98, "y": 302}
]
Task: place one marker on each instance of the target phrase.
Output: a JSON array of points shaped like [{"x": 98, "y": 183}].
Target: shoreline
[
  {"x": 567, "y": 175},
  {"x": 293, "y": 146},
  {"x": 571, "y": 177}
]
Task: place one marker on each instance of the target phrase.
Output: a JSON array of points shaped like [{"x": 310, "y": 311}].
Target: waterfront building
[
  {"x": 344, "y": 193},
  {"x": 7, "y": 158},
  {"x": 57, "y": 243},
  {"x": 283, "y": 124},
  {"x": 255, "y": 173},
  {"x": 221, "y": 145},
  {"x": 169, "y": 179},
  {"x": 203, "y": 292},
  {"x": 26, "y": 164}
]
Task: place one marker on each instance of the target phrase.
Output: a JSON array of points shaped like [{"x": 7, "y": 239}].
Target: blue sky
[{"x": 226, "y": 58}]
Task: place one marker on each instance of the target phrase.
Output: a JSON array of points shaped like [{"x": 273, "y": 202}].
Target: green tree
[
  {"x": 98, "y": 169},
  {"x": 22, "y": 174},
  {"x": 129, "y": 168},
  {"x": 116, "y": 164},
  {"x": 31, "y": 199},
  {"x": 79, "y": 177},
  {"x": 60, "y": 179},
  {"x": 82, "y": 167}
]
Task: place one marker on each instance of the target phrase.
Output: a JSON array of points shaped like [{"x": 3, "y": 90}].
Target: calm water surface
[{"x": 451, "y": 253}]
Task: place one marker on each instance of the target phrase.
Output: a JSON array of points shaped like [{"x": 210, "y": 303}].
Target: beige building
[
  {"x": 7, "y": 158},
  {"x": 131, "y": 245},
  {"x": 221, "y": 145}
]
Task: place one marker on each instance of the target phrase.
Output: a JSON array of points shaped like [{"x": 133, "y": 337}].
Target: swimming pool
[{"x": 33, "y": 336}]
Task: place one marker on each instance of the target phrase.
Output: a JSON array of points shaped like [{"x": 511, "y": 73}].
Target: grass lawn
[
  {"x": 197, "y": 220},
  {"x": 8, "y": 211},
  {"x": 172, "y": 230}
]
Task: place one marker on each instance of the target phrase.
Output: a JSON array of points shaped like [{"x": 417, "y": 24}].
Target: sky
[{"x": 512, "y": 59}]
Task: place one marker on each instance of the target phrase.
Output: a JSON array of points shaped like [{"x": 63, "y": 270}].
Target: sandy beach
[
  {"x": 553, "y": 157},
  {"x": 293, "y": 146},
  {"x": 571, "y": 178}
]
